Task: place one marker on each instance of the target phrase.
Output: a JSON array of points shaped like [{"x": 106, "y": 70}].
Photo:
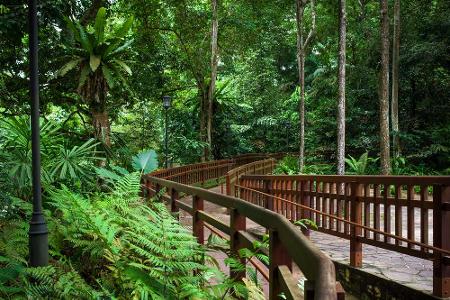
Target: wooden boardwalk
[{"x": 410, "y": 271}]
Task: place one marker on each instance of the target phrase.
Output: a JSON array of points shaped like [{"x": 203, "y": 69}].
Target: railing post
[
  {"x": 237, "y": 223},
  {"x": 269, "y": 200},
  {"x": 228, "y": 185},
  {"x": 173, "y": 198},
  {"x": 157, "y": 190},
  {"x": 197, "y": 224},
  {"x": 305, "y": 199},
  {"x": 147, "y": 185},
  {"x": 278, "y": 256},
  {"x": 356, "y": 217},
  {"x": 441, "y": 239}
]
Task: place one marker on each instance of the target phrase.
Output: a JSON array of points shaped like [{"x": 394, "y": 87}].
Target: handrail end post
[{"x": 441, "y": 239}]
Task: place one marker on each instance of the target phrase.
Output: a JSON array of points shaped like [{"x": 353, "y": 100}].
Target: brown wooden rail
[
  {"x": 201, "y": 172},
  {"x": 410, "y": 215},
  {"x": 287, "y": 243},
  {"x": 257, "y": 167}
]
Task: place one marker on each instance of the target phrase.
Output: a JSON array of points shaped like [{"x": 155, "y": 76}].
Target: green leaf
[
  {"x": 69, "y": 66},
  {"x": 84, "y": 75},
  {"x": 123, "y": 30},
  {"x": 108, "y": 75},
  {"x": 73, "y": 28},
  {"x": 84, "y": 39},
  {"x": 94, "y": 62},
  {"x": 145, "y": 161},
  {"x": 99, "y": 27},
  {"x": 120, "y": 49},
  {"x": 124, "y": 66}
]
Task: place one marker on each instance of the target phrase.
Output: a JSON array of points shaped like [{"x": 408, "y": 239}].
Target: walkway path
[{"x": 407, "y": 270}]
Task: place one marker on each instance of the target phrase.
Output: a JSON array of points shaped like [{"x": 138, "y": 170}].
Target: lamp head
[{"x": 167, "y": 102}]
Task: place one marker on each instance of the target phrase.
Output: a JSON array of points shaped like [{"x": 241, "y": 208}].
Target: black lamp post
[
  {"x": 167, "y": 101},
  {"x": 38, "y": 234}
]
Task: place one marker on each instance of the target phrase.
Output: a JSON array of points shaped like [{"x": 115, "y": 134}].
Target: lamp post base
[{"x": 38, "y": 241}]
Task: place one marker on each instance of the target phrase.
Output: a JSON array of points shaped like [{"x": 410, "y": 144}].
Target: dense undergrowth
[{"x": 110, "y": 245}]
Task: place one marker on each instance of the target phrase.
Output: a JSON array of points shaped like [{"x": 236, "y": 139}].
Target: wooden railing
[
  {"x": 257, "y": 167},
  {"x": 201, "y": 172},
  {"x": 287, "y": 244},
  {"x": 410, "y": 215}
]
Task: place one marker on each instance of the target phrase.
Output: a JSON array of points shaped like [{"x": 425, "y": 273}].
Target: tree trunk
[
  {"x": 341, "y": 90},
  {"x": 100, "y": 121},
  {"x": 302, "y": 43},
  {"x": 91, "y": 12},
  {"x": 301, "y": 161},
  {"x": 384, "y": 90},
  {"x": 395, "y": 71},
  {"x": 214, "y": 64},
  {"x": 203, "y": 120}
]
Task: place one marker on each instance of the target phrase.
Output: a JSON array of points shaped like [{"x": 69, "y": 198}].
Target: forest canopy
[{"x": 232, "y": 71}]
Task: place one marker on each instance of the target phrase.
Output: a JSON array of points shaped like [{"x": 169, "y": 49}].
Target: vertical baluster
[
  {"x": 330, "y": 205},
  {"x": 306, "y": 201},
  {"x": 398, "y": 213},
  {"x": 410, "y": 215},
  {"x": 367, "y": 210},
  {"x": 237, "y": 223},
  {"x": 356, "y": 212},
  {"x": 278, "y": 256},
  {"x": 347, "y": 208},
  {"x": 387, "y": 212},
  {"x": 376, "y": 213},
  {"x": 339, "y": 207},
  {"x": 290, "y": 209},
  {"x": 423, "y": 216},
  {"x": 441, "y": 239},
  {"x": 173, "y": 198},
  {"x": 197, "y": 224}
]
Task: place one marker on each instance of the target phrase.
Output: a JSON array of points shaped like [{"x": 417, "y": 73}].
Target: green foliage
[
  {"x": 110, "y": 242},
  {"x": 145, "y": 162},
  {"x": 306, "y": 224},
  {"x": 289, "y": 166},
  {"x": 360, "y": 166},
  {"x": 99, "y": 51},
  {"x": 61, "y": 163}
]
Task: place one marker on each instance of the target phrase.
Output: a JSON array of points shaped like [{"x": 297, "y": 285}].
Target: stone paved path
[{"x": 410, "y": 271}]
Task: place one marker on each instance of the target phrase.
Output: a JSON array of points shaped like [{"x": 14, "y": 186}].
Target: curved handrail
[
  {"x": 317, "y": 268},
  {"x": 286, "y": 241}
]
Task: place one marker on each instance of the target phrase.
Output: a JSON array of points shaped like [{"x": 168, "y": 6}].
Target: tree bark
[
  {"x": 100, "y": 121},
  {"x": 214, "y": 64},
  {"x": 91, "y": 12},
  {"x": 395, "y": 80},
  {"x": 384, "y": 90},
  {"x": 341, "y": 89},
  {"x": 302, "y": 44},
  {"x": 203, "y": 119}
]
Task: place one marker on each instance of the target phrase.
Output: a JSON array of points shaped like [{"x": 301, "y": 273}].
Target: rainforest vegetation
[{"x": 344, "y": 86}]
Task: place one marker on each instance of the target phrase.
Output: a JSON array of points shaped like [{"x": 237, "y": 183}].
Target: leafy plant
[
  {"x": 145, "y": 162},
  {"x": 359, "y": 166},
  {"x": 61, "y": 163}
]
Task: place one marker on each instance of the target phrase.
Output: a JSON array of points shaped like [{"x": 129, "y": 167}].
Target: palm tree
[{"x": 96, "y": 57}]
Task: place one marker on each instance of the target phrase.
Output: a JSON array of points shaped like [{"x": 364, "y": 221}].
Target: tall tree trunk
[
  {"x": 384, "y": 90},
  {"x": 214, "y": 64},
  {"x": 302, "y": 44},
  {"x": 100, "y": 121},
  {"x": 203, "y": 119},
  {"x": 91, "y": 12},
  {"x": 395, "y": 71},
  {"x": 341, "y": 89}
]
